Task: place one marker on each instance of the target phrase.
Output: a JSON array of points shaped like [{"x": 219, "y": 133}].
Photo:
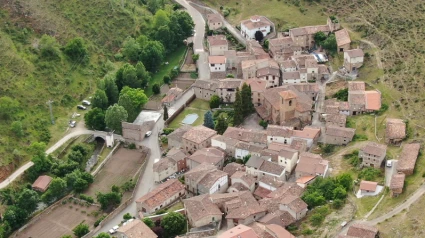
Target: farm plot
[
  {"x": 61, "y": 220},
  {"x": 119, "y": 169}
]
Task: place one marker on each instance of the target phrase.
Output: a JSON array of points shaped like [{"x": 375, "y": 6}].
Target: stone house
[
  {"x": 294, "y": 206},
  {"x": 397, "y": 184},
  {"x": 342, "y": 40},
  {"x": 309, "y": 89},
  {"x": 217, "y": 44},
  {"x": 253, "y": 24},
  {"x": 161, "y": 196},
  {"x": 225, "y": 143},
  {"x": 362, "y": 230},
  {"x": 42, "y": 183},
  {"x": 226, "y": 89},
  {"x": 196, "y": 138},
  {"x": 336, "y": 120},
  {"x": 214, "y": 21},
  {"x": 175, "y": 138},
  {"x": 253, "y": 48},
  {"x": 243, "y": 209},
  {"x": 353, "y": 59},
  {"x": 270, "y": 74},
  {"x": 395, "y": 131},
  {"x": 258, "y": 87},
  {"x": 373, "y": 154},
  {"x": 407, "y": 161},
  {"x": 266, "y": 185},
  {"x": 163, "y": 168},
  {"x": 266, "y": 69},
  {"x": 239, "y": 231},
  {"x": 335, "y": 135},
  {"x": 246, "y": 135},
  {"x": 259, "y": 167},
  {"x": 280, "y": 134},
  {"x": 311, "y": 165},
  {"x": 241, "y": 181},
  {"x": 209, "y": 155},
  {"x": 201, "y": 211},
  {"x": 232, "y": 168},
  {"x": 280, "y": 218},
  {"x": 217, "y": 63},
  {"x": 282, "y": 48},
  {"x": 312, "y": 69},
  {"x": 288, "y": 66},
  {"x": 136, "y": 132},
  {"x": 368, "y": 188},
  {"x": 288, "y": 158},
  {"x": 179, "y": 157},
  {"x": 204, "y": 89},
  {"x": 243, "y": 149},
  {"x": 135, "y": 228},
  {"x": 206, "y": 179}
]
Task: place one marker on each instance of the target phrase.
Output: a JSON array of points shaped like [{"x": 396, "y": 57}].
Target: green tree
[
  {"x": 247, "y": 105},
  {"x": 81, "y": 230},
  {"x": 114, "y": 116},
  {"x": 8, "y": 107},
  {"x": 345, "y": 180},
  {"x": 152, "y": 55},
  {"x": 49, "y": 48},
  {"x": 76, "y": 49},
  {"x": 17, "y": 128},
  {"x": 76, "y": 156},
  {"x": 263, "y": 123},
  {"x": 317, "y": 219},
  {"x": 342, "y": 95},
  {"x": 37, "y": 148},
  {"x": 165, "y": 36},
  {"x": 142, "y": 74},
  {"x": 100, "y": 100},
  {"x": 221, "y": 125},
  {"x": 338, "y": 203},
  {"x": 156, "y": 89},
  {"x": 56, "y": 190},
  {"x": 339, "y": 193},
  {"x": 208, "y": 120},
  {"x": 195, "y": 57},
  {"x": 314, "y": 199},
  {"x": 369, "y": 174},
  {"x": 127, "y": 76},
  {"x": 148, "y": 222},
  {"x": 132, "y": 99},
  {"x": 153, "y": 5},
  {"x": 160, "y": 19},
  {"x": 15, "y": 216},
  {"x": 259, "y": 36},
  {"x": 165, "y": 113},
  {"x": 330, "y": 44},
  {"x": 185, "y": 22},
  {"x": 131, "y": 49},
  {"x": 42, "y": 164},
  {"x": 127, "y": 216},
  {"x": 28, "y": 200},
  {"x": 111, "y": 90},
  {"x": 127, "y": 104},
  {"x": 67, "y": 236},
  {"x": 173, "y": 223},
  {"x": 319, "y": 37},
  {"x": 214, "y": 101},
  {"x": 103, "y": 235},
  {"x": 166, "y": 79},
  {"x": 8, "y": 195},
  {"x": 238, "y": 110},
  {"x": 108, "y": 200},
  {"x": 95, "y": 119}
]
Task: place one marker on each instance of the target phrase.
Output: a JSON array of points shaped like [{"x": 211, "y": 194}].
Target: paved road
[{"x": 389, "y": 171}]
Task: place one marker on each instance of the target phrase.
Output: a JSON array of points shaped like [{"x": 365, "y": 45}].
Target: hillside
[{"x": 31, "y": 79}]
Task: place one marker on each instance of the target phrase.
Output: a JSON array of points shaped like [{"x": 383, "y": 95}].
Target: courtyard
[{"x": 196, "y": 108}]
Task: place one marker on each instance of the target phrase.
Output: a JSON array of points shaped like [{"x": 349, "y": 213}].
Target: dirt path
[{"x": 377, "y": 52}]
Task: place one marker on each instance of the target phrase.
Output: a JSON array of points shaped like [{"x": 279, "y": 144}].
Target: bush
[
  {"x": 132, "y": 146},
  {"x": 369, "y": 174},
  {"x": 263, "y": 123},
  {"x": 317, "y": 219},
  {"x": 338, "y": 203},
  {"x": 87, "y": 198},
  {"x": 168, "y": 131},
  {"x": 166, "y": 79},
  {"x": 214, "y": 102},
  {"x": 360, "y": 137},
  {"x": 160, "y": 211},
  {"x": 156, "y": 89},
  {"x": 342, "y": 95},
  {"x": 127, "y": 216},
  {"x": 164, "y": 140}
]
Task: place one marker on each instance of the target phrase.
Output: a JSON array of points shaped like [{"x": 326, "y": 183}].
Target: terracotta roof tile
[
  {"x": 42, "y": 183},
  {"x": 239, "y": 231},
  {"x": 217, "y": 40},
  {"x": 230, "y": 83},
  {"x": 373, "y": 100},
  {"x": 200, "y": 206},
  {"x": 397, "y": 181},
  {"x": 340, "y": 131},
  {"x": 291, "y": 75},
  {"x": 355, "y": 53},
  {"x": 312, "y": 164},
  {"x": 137, "y": 228},
  {"x": 396, "y": 129},
  {"x": 342, "y": 37},
  {"x": 263, "y": 21},
  {"x": 362, "y": 230},
  {"x": 262, "y": 192},
  {"x": 217, "y": 59},
  {"x": 246, "y": 135},
  {"x": 161, "y": 193},
  {"x": 408, "y": 157},
  {"x": 278, "y": 217},
  {"x": 356, "y": 86},
  {"x": 199, "y": 134},
  {"x": 257, "y": 85},
  {"x": 368, "y": 185},
  {"x": 375, "y": 149},
  {"x": 232, "y": 168},
  {"x": 205, "y": 84},
  {"x": 208, "y": 155}
]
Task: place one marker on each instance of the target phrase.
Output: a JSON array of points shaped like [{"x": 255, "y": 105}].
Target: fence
[{"x": 121, "y": 207}]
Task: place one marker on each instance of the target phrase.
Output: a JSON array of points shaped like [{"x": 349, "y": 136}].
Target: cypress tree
[
  {"x": 238, "y": 108},
  {"x": 165, "y": 113},
  {"x": 221, "y": 125}
]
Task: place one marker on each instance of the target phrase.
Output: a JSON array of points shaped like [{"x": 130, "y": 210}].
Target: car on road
[
  {"x": 81, "y": 107},
  {"x": 87, "y": 103},
  {"x": 72, "y": 124},
  {"x": 389, "y": 163},
  {"x": 149, "y": 133},
  {"x": 113, "y": 230}
]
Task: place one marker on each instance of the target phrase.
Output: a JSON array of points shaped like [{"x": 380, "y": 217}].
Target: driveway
[{"x": 389, "y": 171}]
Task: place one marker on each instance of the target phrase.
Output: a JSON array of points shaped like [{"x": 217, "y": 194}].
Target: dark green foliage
[
  {"x": 17, "y": 128},
  {"x": 49, "y": 48},
  {"x": 127, "y": 216},
  {"x": 173, "y": 223},
  {"x": 330, "y": 44},
  {"x": 353, "y": 158},
  {"x": 56, "y": 190},
  {"x": 131, "y": 49},
  {"x": 42, "y": 164},
  {"x": 87, "y": 198},
  {"x": 142, "y": 74},
  {"x": 221, "y": 125},
  {"x": 148, "y": 222},
  {"x": 208, "y": 120},
  {"x": 195, "y": 57},
  {"x": 76, "y": 156},
  {"x": 8, "y": 107},
  {"x": 319, "y": 37},
  {"x": 245, "y": 159},
  {"x": 156, "y": 89},
  {"x": 319, "y": 215},
  {"x": 127, "y": 104},
  {"x": 128, "y": 186},
  {"x": 342, "y": 95},
  {"x": 165, "y": 113},
  {"x": 327, "y": 148},
  {"x": 95, "y": 119},
  {"x": 152, "y": 55},
  {"x": 111, "y": 90},
  {"x": 247, "y": 105},
  {"x": 114, "y": 116},
  {"x": 384, "y": 108},
  {"x": 168, "y": 131},
  {"x": 166, "y": 79},
  {"x": 238, "y": 116},
  {"x": 369, "y": 174},
  {"x": 15, "y": 216},
  {"x": 263, "y": 123},
  {"x": 103, "y": 235},
  {"x": 214, "y": 101},
  {"x": 100, "y": 100},
  {"x": 76, "y": 49},
  {"x": 28, "y": 200},
  {"x": 360, "y": 137},
  {"x": 109, "y": 200},
  {"x": 78, "y": 181},
  {"x": 81, "y": 230},
  {"x": 97, "y": 222},
  {"x": 338, "y": 203},
  {"x": 127, "y": 76}
]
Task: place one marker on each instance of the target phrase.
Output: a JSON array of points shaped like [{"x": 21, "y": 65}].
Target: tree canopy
[
  {"x": 114, "y": 116},
  {"x": 173, "y": 223},
  {"x": 100, "y": 100},
  {"x": 81, "y": 230},
  {"x": 208, "y": 120},
  {"x": 95, "y": 119},
  {"x": 76, "y": 49}
]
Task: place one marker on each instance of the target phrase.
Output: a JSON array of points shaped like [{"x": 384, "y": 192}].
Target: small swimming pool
[{"x": 190, "y": 119}]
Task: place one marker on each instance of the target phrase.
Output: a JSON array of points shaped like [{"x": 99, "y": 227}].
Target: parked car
[
  {"x": 389, "y": 163},
  {"x": 87, "y": 103},
  {"x": 81, "y": 107},
  {"x": 72, "y": 124},
  {"x": 113, "y": 230},
  {"x": 148, "y": 133}
]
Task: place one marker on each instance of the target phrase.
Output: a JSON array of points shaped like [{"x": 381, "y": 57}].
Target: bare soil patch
[{"x": 332, "y": 88}]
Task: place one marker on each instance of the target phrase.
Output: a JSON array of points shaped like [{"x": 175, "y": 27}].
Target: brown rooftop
[
  {"x": 373, "y": 100},
  {"x": 242, "y": 206},
  {"x": 291, "y": 75},
  {"x": 199, "y": 134},
  {"x": 342, "y": 37},
  {"x": 246, "y": 135},
  {"x": 288, "y": 64},
  {"x": 354, "y": 53},
  {"x": 162, "y": 164},
  {"x": 272, "y": 168},
  {"x": 408, "y": 157},
  {"x": 278, "y": 217},
  {"x": 176, "y": 154},
  {"x": 229, "y": 83},
  {"x": 208, "y": 155},
  {"x": 336, "y": 119},
  {"x": 268, "y": 71},
  {"x": 256, "y": 22},
  {"x": 281, "y": 131},
  {"x": 309, "y": 30},
  {"x": 396, "y": 129},
  {"x": 278, "y": 231},
  {"x": 362, "y": 230},
  {"x": 340, "y": 131},
  {"x": 161, "y": 193},
  {"x": 397, "y": 181},
  {"x": 217, "y": 59},
  {"x": 205, "y": 84},
  {"x": 211, "y": 177},
  {"x": 356, "y": 86},
  {"x": 368, "y": 185},
  {"x": 217, "y": 40},
  {"x": 287, "y": 95},
  {"x": 137, "y": 228},
  {"x": 200, "y": 206},
  {"x": 375, "y": 149},
  {"x": 257, "y": 85},
  {"x": 178, "y": 133},
  {"x": 312, "y": 164},
  {"x": 42, "y": 183},
  {"x": 239, "y": 231},
  {"x": 232, "y": 168},
  {"x": 214, "y": 18},
  {"x": 247, "y": 178}
]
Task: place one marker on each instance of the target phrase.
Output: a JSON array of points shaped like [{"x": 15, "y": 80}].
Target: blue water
[{"x": 190, "y": 119}]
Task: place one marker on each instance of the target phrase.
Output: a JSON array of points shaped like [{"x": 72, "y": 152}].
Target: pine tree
[
  {"x": 165, "y": 113},
  {"x": 221, "y": 125},
  {"x": 208, "y": 120},
  {"x": 238, "y": 108}
]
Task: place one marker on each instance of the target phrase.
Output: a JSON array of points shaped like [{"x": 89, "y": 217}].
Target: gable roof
[
  {"x": 256, "y": 22},
  {"x": 395, "y": 128},
  {"x": 255, "y": 162},
  {"x": 246, "y": 178},
  {"x": 178, "y": 133},
  {"x": 214, "y": 18},
  {"x": 239, "y": 231},
  {"x": 291, "y": 75},
  {"x": 42, "y": 183},
  {"x": 242, "y": 206},
  {"x": 162, "y": 164},
  {"x": 208, "y": 155},
  {"x": 246, "y": 135},
  {"x": 342, "y": 37},
  {"x": 312, "y": 164},
  {"x": 408, "y": 157},
  {"x": 200, "y": 206},
  {"x": 281, "y": 131},
  {"x": 375, "y": 149},
  {"x": 216, "y": 59},
  {"x": 205, "y": 84},
  {"x": 362, "y": 230},
  {"x": 340, "y": 131},
  {"x": 373, "y": 100},
  {"x": 397, "y": 181},
  {"x": 232, "y": 168},
  {"x": 176, "y": 154},
  {"x": 368, "y": 185},
  {"x": 257, "y": 85},
  {"x": 278, "y": 217},
  {"x": 278, "y": 231},
  {"x": 137, "y": 228},
  {"x": 229, "y": 83},
  {"x": 217, "y": 40},
  {"x": 211, "y": 177},
  {"x": 199, "y": 134},
  {"x": 161, "y": 193},
  {"x": 354, "y": 53}
]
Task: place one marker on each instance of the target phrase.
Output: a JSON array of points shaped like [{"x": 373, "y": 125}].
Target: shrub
[
  {"x": 156, "y": 89},
  {"x": 127, "y": 216},
  {"x": 342, "y": 95},
  {"x": 166, "y": 79},
  {"x": 168, "y": 131},
  {"x": 369, "y": 174},
  {"x": 360, "y": 137},
  {"x": 97, "y": 222},
  {"x": 87, "y": 198},
  {"x": 214, "y": 102},
  {"x": 132, "y": 146},
  {"x": 263, "y": 123}
]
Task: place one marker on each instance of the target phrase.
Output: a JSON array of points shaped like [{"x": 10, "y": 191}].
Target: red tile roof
[
  {"x": 42, "y": 183},
  {"x": 373, "y": 100},
  {"x": 161, "y": 193},
  {"x": 368, "y": 185}
]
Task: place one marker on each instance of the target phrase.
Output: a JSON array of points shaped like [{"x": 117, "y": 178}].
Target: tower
[{"x": 288, "y": 101}]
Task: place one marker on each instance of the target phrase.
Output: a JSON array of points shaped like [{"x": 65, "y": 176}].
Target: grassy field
[{"x": 198, "y": 106}]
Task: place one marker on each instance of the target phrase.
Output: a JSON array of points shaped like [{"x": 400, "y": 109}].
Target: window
[
  {"x": 212, "y": 65},
  {"x": 290, "y": 102},
  {"x": 281, "y": 161}
]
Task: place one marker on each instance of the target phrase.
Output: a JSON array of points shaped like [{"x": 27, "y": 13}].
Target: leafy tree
[
  {"x": 49, "y": 48},
  {"x": 76, "y": 156},
  {"x": 7, "y": 196},
  {"x": 127, "y": 76},
  {"x": 259, "y": 36},
  {"x": 80, "y": 185},
  {"x": 76, "y": 49},
  {"x": 214, "y": 101},
  {"x": 37, "y": 148},
  {"x": 108, "y": 200},
  {"x": 8, "y": 107},
  {"x": 208, "y": 120},
  {"x": 338, "y": 203},
  {"x": 132, "y": 100},
  {"x": 245, "y": 159},
  {"x": 330, "y": 44},
  {"x": 238, "y": 110},
  {"x": 114, "y": 116},
  {"x": 152, "y": 55},
  {"x": 148, "y": 222},
  {"x": 17, "y": 128},
  {"x": 263, "y": 123},
  {"x": 165, "y": 113},
  {"x": 56, "y": 190},
  {"x": 15, "y": 216},
  {"x": 339, "y": 193},
  {"x": 345, "y": 180},
  {"x": 153, "y": 5},
  {"x": 103, "y": 235},
  {"x": 160, "y": 19},
  {"x": 369, "y": 174},
  {"x": 61, "y": 169},
  {"x": 185, "y": 22},
  {"x": 111, "y": 90},
  {"x": 156, "y": 89},
  {"x": 128, "y": 186},
  {"x": 195, "y": 57},
  {"x": 247, "y": 105},
  {"x": 78, "y": 181},
  {"x": 342, "y": 95},
  {"x": 166, "y": 79},
  {"x": 81, "y": 230},
  {"x": 28, "y": 200},
  {"x": 319, "y": 37},
  {"x": 142, "y": 74},
  {"x": 42, "y": 164},
  {"x": 127, "y": 104},
  {"x": 127, "y": 216},
  {"x": 173, "y": 223},
  {"x": 164, "y": 35},
  {"x": 95, "y": 119},
  {"x": 314, "y": 199},
  {"x": 100, "y": 100},
  {"x": 317, "y": 219},
  {"x": 174, "y": 72},
  {"x": 131, "y": 49},
  {"x": 266, "y": 44},
  {"x": 221, "y": 125}
]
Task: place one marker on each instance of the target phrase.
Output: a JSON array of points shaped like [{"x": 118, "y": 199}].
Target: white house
[
  {"x": 288, "y": 158},
  {"x": 243, "y": 149},
  {"x": 259, "y": 167},
  {"x": 292, "y": 77},
  {"x": 279, "y": 134},
  {"x": 219, "y": 184},
  {"x": 353, "y": 59},
  {"x": 217, "y": 63},
  {"x": 254, "y": 24},
  {"x": 288, "y": 66}
]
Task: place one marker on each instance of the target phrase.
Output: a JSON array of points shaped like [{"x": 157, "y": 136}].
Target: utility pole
[{"x": 51, "y": 112}]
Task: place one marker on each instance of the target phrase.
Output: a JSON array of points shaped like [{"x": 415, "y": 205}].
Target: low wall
[
  {"x": 179, "y": 110},
  {"x": 96, "y": 171}
]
